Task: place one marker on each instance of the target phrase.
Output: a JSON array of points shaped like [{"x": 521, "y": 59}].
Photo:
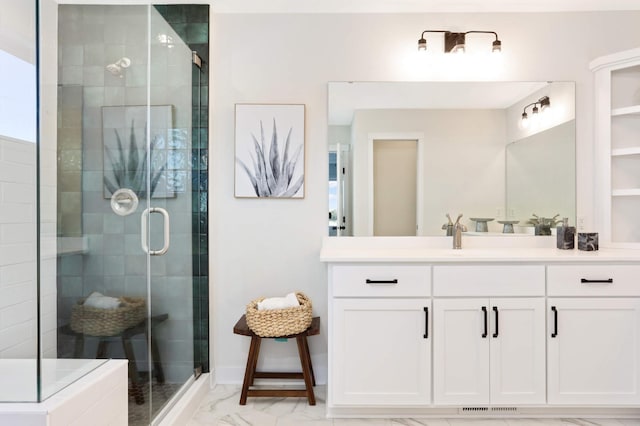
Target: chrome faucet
[
  {"x": 448, "y": 226},
  {"x": 458, "y": 229}
]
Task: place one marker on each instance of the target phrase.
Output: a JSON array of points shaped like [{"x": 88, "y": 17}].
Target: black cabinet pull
[
  {"x": 426, "y": 322},
  {"x": 586, "y": 281},
  {"x": 382, "y": 281},
  {"x": 555, "y": 321},
  {"x": 495, "y": 310},
  {"x": 484, "y": 310}
]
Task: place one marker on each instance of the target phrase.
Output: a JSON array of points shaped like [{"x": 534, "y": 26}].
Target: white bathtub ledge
[{"x": 100, "y": 394}]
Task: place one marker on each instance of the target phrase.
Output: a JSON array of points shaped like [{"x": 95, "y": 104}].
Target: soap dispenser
[{"x": 566, "y": 235}]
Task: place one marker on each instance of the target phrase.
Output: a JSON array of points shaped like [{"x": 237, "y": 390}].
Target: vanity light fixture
[
  {"x": 545, "y": 104},
  {"x": 455, "y": 42}
]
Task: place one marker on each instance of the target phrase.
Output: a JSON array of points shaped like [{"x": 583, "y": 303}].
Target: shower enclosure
[{"x": 117, "y": 183}]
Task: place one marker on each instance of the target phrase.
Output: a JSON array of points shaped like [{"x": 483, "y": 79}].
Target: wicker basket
[
  {"x": 280, "y": 322},
  {"x": 107, "y": 322}
]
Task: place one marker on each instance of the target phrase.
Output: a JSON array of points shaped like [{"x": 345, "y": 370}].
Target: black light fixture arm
[
  {"x": 484, "y": 32},
  {"x": 455, "y": 41},
  {"x": 422, "y": 43},
  {"x": 433, "y": 31},
  {"x": 468, "y": 32}
]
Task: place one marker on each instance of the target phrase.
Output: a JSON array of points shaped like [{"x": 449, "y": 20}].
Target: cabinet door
[
  {"x": 594, "y": 351},
  {"x": 461, "y": 351},
  {"x": 381, "y": 353},
  {"x": 517, "y": 351}
]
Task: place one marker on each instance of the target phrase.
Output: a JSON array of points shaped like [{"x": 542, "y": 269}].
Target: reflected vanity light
[
  {"x": 545, "y": 105},
  {"x": 455, "y": 42}
]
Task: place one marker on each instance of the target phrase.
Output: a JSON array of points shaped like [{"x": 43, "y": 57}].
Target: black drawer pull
[
  {"x": 586, "y": 281},
  {"x": 484, "y": 310},
  {"x": 495, "y": 310},
  {"x": 426, "y": 323},
  {"x": 555, "y": 322},
  {"x": 382, "y": 281}
]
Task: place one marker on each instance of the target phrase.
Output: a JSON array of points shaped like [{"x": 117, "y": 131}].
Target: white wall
[
  {"x": 17, "y": 29},
  {"x": 268, "y": 247}
]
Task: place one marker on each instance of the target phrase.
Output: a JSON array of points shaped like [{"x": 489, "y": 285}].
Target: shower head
[{"x": 118, "y": 67}]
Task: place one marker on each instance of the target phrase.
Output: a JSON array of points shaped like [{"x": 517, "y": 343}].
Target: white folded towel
[
  {"x": 289, "y": 301},
  {"x": 99, "y": 300}
]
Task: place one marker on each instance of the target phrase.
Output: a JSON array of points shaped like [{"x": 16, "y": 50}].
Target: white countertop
[{"x": 486, "y": 249}]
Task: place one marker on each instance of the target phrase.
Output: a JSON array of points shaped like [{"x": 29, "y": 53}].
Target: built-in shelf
[
  {"x": 617, "y": 148},
  {"x": 635, "y": 109},
  {"x": 630, "y": 192},
  {"x": 619, "y": 152},
  {"x": 68, "y": 246}
]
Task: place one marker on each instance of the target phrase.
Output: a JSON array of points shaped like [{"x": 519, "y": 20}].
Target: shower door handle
[{"x": 144, "y": 231}]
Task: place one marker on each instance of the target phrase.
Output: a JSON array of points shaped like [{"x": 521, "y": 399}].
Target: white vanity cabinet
[
  {"x": 380, "y": 335},
  {"x": 593, "y": 338},
  {"x": 369, "y": 366},
  {"x": 489, "y": 350},
  {"x": 533, "y": 332}
]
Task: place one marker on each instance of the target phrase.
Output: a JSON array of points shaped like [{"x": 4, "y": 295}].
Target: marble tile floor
[{"x": 220, "y": 407}]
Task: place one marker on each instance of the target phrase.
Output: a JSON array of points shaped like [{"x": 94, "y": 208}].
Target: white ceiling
[
  {"x": 417, "y": 6},
  {"x": 345, "y": 97}
]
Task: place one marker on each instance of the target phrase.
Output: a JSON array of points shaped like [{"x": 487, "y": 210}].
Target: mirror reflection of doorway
[
  {"x": 395, "y": 187},
  {"x": 339, "y": 190}
]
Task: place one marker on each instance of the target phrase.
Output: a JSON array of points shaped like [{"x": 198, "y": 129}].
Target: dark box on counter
[
  {"x": 566, "y": 237},
  {"x": 588, "y": 241}
]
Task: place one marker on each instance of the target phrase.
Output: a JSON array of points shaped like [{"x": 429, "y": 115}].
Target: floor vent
[
  {"x": 504, "y": 409},
  {"x": 474, "y": 409}
]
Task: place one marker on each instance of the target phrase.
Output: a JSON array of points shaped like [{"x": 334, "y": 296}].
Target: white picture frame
[{"x": 269, "y": 151}]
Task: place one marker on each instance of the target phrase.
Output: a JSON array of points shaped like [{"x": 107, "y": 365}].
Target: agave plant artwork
[
  {"x": 272, "y": 170},
  {"x": 129, "y": 166}
]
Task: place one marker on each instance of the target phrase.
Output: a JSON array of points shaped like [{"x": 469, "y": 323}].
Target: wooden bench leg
[
  {"x": 155, "y": 357},
  {"x": 252, "y": 362},
  {"x": 306, "y": 348},
  {"x": 136, "y": 388},
  {"x": 305, "y": 360},
  {"x": 254, "y": 367},
  {"x": 79, "y": 346},
  {"x": 101, "y": 351}
]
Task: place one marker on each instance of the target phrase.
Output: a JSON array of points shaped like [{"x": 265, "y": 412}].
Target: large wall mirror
[{"x": 403, "y": 155}]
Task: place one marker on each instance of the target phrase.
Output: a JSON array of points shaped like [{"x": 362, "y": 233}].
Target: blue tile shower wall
[{"x": 191, "y": 22}]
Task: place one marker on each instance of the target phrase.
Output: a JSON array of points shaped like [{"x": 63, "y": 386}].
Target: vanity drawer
[
  {"x": 381, "y": 280},
  {"x": 593, "y": 280},
  {"x": 488, "y": 280}
]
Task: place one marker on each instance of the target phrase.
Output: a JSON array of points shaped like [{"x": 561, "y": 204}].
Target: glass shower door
[
  {"x": 168, "y": 216},
  {"x": 125, "y": 198}
]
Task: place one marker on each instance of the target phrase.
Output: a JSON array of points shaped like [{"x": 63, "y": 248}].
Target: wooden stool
[
  {"x": 250, "y": 373},
  {"x": 125, "y": 337}
]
